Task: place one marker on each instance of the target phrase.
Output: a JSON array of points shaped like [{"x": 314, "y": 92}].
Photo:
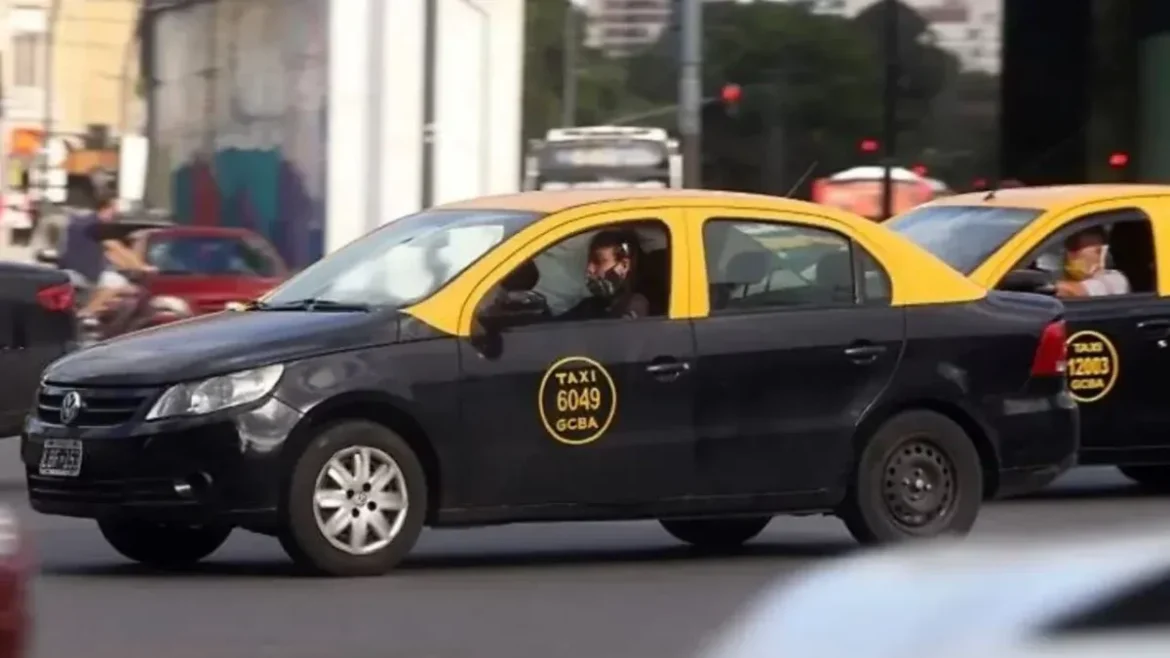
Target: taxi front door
[{"x": 588, "y": 412}]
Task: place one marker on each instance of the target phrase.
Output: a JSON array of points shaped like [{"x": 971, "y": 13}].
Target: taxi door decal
[
  {"x": 577, "y": 400},
  {"x": 1093, "y": 366}
]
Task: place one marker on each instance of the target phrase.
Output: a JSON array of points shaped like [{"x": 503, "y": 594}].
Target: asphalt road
[{"x": 612, "y": 590}]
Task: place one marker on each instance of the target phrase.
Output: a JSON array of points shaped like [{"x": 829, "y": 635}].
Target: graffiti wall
[{"x": 239, "y": 118}]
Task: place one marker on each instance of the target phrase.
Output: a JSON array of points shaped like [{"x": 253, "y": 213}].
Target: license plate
[{"x": 61, "y": 458}]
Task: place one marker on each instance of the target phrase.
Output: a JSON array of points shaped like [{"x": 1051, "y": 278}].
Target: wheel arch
[
  {"x": 979, "y": 433},
  {"x": 376, "y": 407}
]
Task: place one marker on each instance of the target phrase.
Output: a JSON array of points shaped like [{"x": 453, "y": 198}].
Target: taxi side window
[
  {"x": 753, "y": 265},
  {"x": 558, "y": 278},
  {"x": 876, "y": 289},
  {"x": 1122, "y": 243}
]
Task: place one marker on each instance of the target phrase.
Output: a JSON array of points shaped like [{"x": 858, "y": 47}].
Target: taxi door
[
  {"x": 796, "y": 338},
  {"x": 596, "y": 411}
]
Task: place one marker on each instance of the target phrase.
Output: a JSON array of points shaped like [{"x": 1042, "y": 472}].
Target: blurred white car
[{"x": 969, "y": 600}]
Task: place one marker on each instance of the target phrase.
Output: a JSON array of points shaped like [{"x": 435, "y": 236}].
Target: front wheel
[
  {"x": 356, "y": 502},
  {"x": 716, "y": 534},
  {"x": 1151, "y": 478},
  {"x": 918, "y": 477},
  {"x": 162, "y": 545}
]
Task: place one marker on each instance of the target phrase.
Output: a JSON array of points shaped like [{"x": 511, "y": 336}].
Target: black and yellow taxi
[
  {"x": 1104, "y": 250},
  {"x": 706, "y": 359}
]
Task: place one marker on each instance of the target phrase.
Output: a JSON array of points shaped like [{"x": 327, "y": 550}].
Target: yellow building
[{"x": 94, "y": 62}]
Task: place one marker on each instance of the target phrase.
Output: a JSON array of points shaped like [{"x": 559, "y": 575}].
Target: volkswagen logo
[{"x": 71, "y": 406}]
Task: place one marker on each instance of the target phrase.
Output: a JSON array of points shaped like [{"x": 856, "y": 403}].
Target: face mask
[
  {"x": 1079, "y": 269},
  {"x": 606, "y": 285}
]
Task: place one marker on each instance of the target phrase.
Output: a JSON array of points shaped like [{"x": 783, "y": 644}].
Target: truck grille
[{"x": 101, "y": 407}]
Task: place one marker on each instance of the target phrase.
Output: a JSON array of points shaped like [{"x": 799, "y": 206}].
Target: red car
[{"x": 203, "y": 269}]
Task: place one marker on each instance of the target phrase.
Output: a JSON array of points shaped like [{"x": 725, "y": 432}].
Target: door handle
[
  {"x": 1160, "y": 325},
  {"x": 669, "y": 370},
  {"x": 865, "y": 353}
]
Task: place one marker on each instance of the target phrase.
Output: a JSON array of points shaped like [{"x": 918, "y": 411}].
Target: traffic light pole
[
  {"x": 690, "y": 90},
  {"x": 889, "y": 104}
]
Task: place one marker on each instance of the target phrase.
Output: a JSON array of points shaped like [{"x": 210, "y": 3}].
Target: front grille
[{"x": 101, "y": 407}]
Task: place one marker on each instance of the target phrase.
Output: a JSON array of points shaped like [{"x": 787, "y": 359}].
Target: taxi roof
[
  {"x": 1054, "y": 197},
  {"x": 552, "y": 201}
]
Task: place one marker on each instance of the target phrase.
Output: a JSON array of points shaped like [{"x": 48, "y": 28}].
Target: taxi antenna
[{"x": 803, "y": 177}]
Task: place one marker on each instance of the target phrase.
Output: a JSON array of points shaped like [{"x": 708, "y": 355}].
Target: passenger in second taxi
[
  {"x": 1085, "y": 272},
  {"x": 611, "y": 273}
]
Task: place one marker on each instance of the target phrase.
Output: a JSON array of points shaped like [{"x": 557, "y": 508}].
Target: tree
[{"x": 602, "y": 89}]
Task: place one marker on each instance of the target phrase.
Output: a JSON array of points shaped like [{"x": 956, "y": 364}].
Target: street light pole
[
  {"x": 889, "y": 104},
  {"x": 690, "y": 90},
  {"x": 569, "y": 64}
]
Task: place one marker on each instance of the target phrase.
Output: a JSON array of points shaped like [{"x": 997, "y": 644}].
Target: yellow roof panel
[
  {"x": 550, "y": 201},
  {"x": 1056, "y": 197}
]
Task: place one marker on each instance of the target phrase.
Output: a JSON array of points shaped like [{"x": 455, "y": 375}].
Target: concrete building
[
  {"x": 90, "y": 86},
  {"x": 315, "y": 121}
]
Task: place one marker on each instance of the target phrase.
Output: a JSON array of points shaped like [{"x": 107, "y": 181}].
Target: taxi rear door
[
  {"x": 1119, "y": 345},
  {"x": 582, "y": 412},
  {"x": 795, "y": 339}
]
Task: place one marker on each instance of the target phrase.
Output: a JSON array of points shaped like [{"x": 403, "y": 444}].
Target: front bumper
[
  {"x": 224, "y": 468},
  {"x": 1038, "y": 440}
]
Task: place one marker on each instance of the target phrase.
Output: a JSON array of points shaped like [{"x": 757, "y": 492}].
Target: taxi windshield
[
  {"x": 962, "y": 236},
  {"x": 404, "y": 261}
]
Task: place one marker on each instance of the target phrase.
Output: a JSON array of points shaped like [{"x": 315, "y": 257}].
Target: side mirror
[
  {"x": 1035, "y": 281},
  {"x": 514, "y": 309},
  {"x": 47, "y": 256}
]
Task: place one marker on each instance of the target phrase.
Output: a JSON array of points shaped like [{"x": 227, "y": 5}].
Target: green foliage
[{"x": 812, "y": 89}]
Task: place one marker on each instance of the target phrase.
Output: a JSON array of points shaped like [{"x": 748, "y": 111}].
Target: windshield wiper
[{"x": 311, "y": 304}]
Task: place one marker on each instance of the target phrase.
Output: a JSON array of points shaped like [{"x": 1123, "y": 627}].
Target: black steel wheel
[
  {"x": 919, "y": 476},
  {"x": 716, "y": 534},
  {"x": 162, "y": 545}
]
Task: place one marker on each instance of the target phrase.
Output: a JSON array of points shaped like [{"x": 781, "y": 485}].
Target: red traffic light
[
  {"x": 731, "y": 93},
  {"x": 1118, "y": 159},
  {"x": 869, "y": 145}
]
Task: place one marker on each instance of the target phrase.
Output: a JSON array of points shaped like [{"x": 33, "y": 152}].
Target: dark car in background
[{"x": 37, "y": 325}]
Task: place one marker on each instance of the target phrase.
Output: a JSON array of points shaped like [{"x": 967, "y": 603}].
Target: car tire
[
  {"x": 1154, "y": 478},
  {"x": 716, "y": 534},
  {"x": 160, "y": 545},
  {"x": 392, "y": 511},
  {"x": 919, "y": 476}
]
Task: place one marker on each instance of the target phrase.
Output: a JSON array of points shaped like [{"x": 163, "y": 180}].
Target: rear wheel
[
  {"x": 716, "y": 534},
  {"x": 1151, "y": 478},
  {"x": 919, "y": 476},
  {"x": 356, "y": 502},
  {"x": 163, "y": 545}
]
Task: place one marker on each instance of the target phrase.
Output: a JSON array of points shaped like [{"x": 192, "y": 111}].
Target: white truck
[{"x": 603, "y": 156}]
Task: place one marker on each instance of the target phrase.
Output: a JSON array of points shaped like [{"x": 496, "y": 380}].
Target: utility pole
[
  {"x": 690, "y": 89},
  {"x": 569, "y": 64},
  {"x": 890, "y": 104}
]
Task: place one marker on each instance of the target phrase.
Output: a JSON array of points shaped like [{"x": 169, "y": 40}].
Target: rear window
[
  {"x": 212, "y": 255},
  {"x": 962, "y": 236}
]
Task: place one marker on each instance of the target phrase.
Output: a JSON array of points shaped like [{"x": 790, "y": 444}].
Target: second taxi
[
  {"x": 706, "y": 359},
  {"x": 1104, "y": 250}
]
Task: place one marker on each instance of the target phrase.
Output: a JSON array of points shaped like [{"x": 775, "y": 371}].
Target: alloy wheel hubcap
[
  {"x": 919, "y": 485},
  {"x": 360, "y": 500}
]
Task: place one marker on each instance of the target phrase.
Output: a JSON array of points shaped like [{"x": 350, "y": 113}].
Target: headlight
[{"x": 217, "y": 393}]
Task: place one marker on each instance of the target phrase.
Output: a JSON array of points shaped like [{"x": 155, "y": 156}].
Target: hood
[{"x": 219, "y": 343}]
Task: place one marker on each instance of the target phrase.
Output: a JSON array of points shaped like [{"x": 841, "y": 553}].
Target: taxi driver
[
  {"x": 610, "y": 277},
  {"x": 1085, "y": 273}
]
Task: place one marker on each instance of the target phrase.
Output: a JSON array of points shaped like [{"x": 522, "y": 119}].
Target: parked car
[
  {"x": 37, "y": 326},
  {"x": 485, "y": 362},
  {"x": 1082, "y": 596}
]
